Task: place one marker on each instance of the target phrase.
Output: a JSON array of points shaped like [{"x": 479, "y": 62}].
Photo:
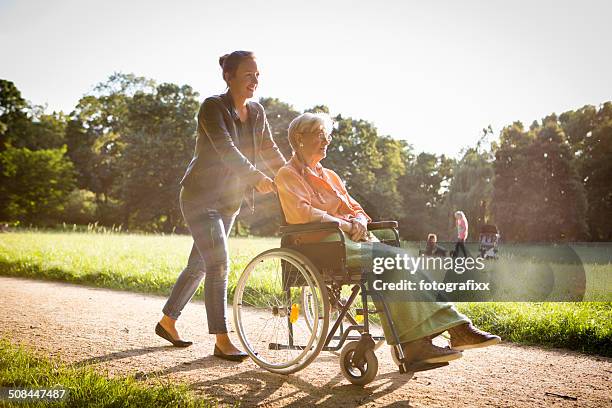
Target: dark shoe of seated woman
[
  {"x": 467, "y": 336},
  {"x": 423, "y": 351}
]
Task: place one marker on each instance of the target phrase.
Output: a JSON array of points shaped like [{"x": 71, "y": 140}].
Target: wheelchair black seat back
[{"x": 287, "y": 298}]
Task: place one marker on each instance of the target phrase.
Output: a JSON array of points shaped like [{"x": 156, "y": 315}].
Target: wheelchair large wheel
[
  {"x": 306, "y": 301},
  {"x": 358, "y": 373},
  {"x": 267, "y": 313}
]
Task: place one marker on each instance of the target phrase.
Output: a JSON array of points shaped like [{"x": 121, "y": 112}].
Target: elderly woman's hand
[{"x": 359, "y": 229}]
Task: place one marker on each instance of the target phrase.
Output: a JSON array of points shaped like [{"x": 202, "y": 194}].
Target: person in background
[
  {"x": 462, "y": 233},
  {"x": 432, "y": 248}
]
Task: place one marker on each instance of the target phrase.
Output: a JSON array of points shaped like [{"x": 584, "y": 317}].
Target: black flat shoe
[
  {"x": 231, "y": 357},
  {"x": 161, "y": 332}
]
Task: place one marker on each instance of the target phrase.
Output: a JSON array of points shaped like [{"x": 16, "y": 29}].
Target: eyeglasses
[{"x": 322, "y": 135}]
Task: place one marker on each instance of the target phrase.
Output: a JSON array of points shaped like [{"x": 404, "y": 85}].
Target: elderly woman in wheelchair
[{"x": 285, "y": 297}]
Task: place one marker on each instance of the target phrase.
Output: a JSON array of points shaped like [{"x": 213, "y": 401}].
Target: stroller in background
[{"x": 489, "y": 241}]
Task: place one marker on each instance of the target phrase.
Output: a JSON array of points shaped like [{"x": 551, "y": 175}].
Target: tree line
[{"x": 117, "y": 158}]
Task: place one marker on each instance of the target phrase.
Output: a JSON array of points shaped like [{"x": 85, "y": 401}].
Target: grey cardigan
[{"x": 219, "y": 174}]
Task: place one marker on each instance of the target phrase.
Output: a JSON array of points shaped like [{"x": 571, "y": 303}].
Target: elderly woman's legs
[{"x": 416, "y": 316}]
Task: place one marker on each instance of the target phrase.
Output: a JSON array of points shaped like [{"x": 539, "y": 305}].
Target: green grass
[
  {"x": 20, "y": 368},
  {"x": 585, "y": 327},
  {"x": 141, "y": 263},
  {"x": 151, "y": 263}
]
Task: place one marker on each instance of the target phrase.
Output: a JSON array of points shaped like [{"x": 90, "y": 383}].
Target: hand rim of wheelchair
[
  {"x": 313, "y": 279},
  {"x": 308, "y": 318}
]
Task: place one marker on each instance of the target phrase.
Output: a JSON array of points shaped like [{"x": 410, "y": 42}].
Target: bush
[
  {"x": 80, "y": 207},
  {"x": 34, "y": 185}
]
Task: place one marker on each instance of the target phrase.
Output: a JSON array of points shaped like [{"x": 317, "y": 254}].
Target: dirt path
[{"x": 114, "y": 331}]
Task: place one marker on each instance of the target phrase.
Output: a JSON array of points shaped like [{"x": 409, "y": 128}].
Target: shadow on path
[
  {"x": 122, "y": 354},
  {"x": 257, "y": 386}
]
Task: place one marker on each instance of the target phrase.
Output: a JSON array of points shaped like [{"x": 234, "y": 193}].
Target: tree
[
  {"x": 369, "y": 165},
  {"x": 280, "y": 115},
  {"x": 471, "y": 189},
  {"x": 23, "y": 125},
  {"x": 34, "y": 185},
  {"x": 42, "y": 131},
  {"x": 538, "y": 195},
  {"x": 158, "y": 138},
  {"x": 93, "y": 137},
  {"x": 13, "y": 115},
  {"x": 596, "y": 171},
  {"x": 589, "y": 132},
  {"x": 422, "y": 190}
]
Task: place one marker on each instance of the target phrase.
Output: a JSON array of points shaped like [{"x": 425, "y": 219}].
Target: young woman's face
[
  {"x": 245, "y": 80},
  {"x": 315, "y": 144}
]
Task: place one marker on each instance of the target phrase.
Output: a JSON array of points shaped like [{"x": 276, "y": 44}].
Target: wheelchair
[{"x": 289, "y": 306}]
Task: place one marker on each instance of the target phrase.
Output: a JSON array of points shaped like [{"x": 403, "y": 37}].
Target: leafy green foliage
[
  {"x": 22, "y": 125},
  {"x": 471, "y": 190},
  {"x": 34, "y": 185},
  {"x": 424, "y": 198},
  {"x": 538, "y": 195},
  {"x": 158, "y": 136},
  {"x": 131, "y": 138},
  {"x": 369, "y": 164},
  {"x": 13, "y": 117},
  {"x": 589, "y": 131}
]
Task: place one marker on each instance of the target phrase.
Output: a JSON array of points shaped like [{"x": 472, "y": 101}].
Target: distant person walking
[
  {"x": 233, "y": 142},
  {"x": 462, "y": 233}
]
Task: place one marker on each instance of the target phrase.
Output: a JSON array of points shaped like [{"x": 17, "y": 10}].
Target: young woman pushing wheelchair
[{"x": 233, "y": 143}]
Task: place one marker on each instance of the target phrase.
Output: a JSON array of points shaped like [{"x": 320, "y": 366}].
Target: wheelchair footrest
[{"x": 413, "y": 368}]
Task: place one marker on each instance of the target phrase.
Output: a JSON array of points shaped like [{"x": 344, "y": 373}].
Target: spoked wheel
[
  {"x": 358, "y": 373},
  {"x": 267, "y": 315},
  {"x": 375, "y": 329}
]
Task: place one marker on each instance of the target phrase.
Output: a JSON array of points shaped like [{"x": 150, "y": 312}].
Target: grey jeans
[{"x": 208, "y": 259}]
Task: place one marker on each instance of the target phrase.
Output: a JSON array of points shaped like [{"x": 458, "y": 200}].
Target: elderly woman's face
[{"x": 315, "y": 144}]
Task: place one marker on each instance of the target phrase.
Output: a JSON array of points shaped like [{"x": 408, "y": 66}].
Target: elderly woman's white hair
[
  {"x": 460, "y": 214},
  {"x": 308, "y": 122}
]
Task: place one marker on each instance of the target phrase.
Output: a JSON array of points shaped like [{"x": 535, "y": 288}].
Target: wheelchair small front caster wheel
[{"x": 358, "y": 373}]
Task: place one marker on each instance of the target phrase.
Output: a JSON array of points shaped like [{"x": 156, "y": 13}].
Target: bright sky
[{"x": 433, "y": 73}]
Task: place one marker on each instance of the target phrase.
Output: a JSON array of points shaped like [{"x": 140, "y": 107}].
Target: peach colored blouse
[{"x": 307, "y": 195}]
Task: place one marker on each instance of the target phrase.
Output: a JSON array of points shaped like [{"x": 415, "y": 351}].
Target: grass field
[
  {"x": 151, "y": 263},
  {"x": 20, "y": 368}
]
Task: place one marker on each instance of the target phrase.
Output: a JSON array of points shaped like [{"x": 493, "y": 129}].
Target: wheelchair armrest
[
  {"x": 377, "y": 225},
  {"x": 310, "y": 227}
]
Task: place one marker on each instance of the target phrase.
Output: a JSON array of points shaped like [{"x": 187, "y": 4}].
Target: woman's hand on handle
[
  {"x": 359, "y": 229},
  {"x": 265, "y": 185}
]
